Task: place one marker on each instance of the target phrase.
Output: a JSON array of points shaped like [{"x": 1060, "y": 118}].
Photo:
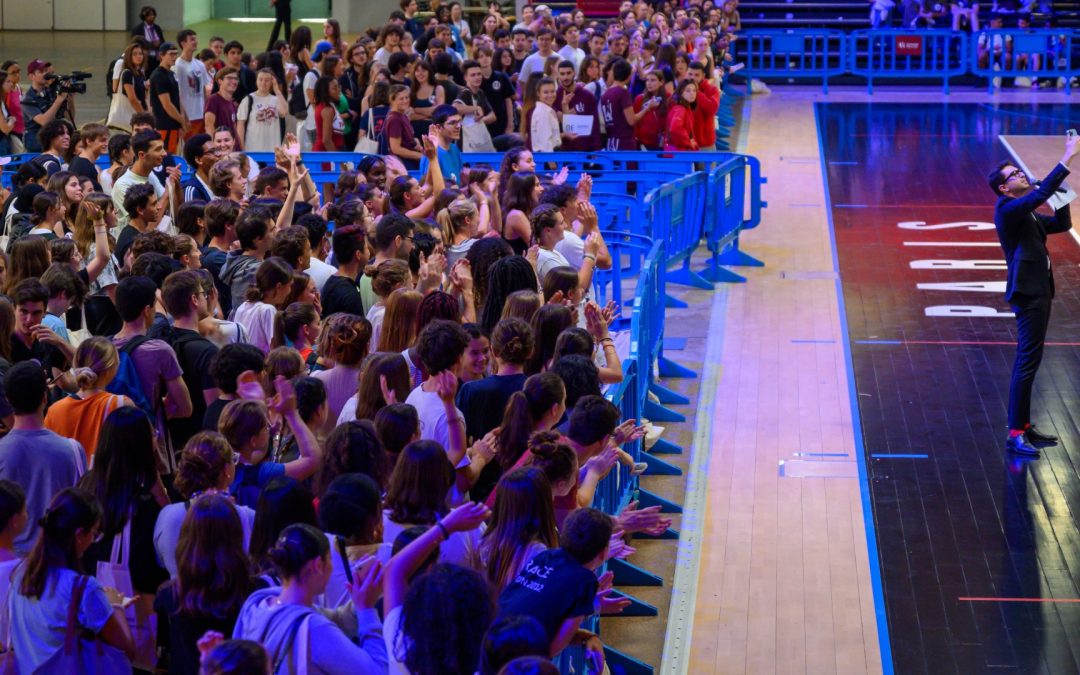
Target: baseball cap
[
  {"x": 167, "y": 47},
  {"x": 36, "y": 65}
]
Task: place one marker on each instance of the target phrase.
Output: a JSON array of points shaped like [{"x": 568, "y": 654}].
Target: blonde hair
[
  {"x": 452, "y": 218},
  {"x": 83, "y": 230},
  {"x": 522, "y": 305},
  {"x": 96, "y": 361},
  {"x": 388, "y": 276}
]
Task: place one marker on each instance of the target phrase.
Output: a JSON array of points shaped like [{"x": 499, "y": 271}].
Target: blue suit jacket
[{"x": 1022, "y": 234}]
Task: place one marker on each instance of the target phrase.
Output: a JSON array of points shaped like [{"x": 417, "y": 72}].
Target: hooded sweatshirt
[
  {"x": 238, "y": 273},
  {"x": 320, "y": 646}
]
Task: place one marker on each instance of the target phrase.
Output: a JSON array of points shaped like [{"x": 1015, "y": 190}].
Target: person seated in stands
[
  {"x": 994, "y": 50},
  {"x": 200, "y": 154},
  {"x": 1029, "y": 60},
  {"x": 917, "y": 14},
  {"x": 965, "y": 15},
  {"x": 446, "y": 123}
]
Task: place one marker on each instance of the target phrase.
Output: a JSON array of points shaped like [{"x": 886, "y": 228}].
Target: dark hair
[
  {"x": 523, "y": 410},
  {"x": 592, "y": 419},
  {"x": 995, "y": 179},
  {"x": 573, "y": 340},
  {"x": 133, "y": 295},
  {"x": 177, "y": 291},
  {"x": 268, "y": 176},
  {"x": 437, "y": 305},
  {"x": 585, "y": 534},
  {"x": 562, "y": 278},
  {"x": 254, "y": 223},
  {"x": 351, "y": 507},
  {"x": 219, "y": 214},
  {"x": 310, "y": 396},
  {"x": 348, "y": 241},
  {"x": 524, "y": 513},
  {"x": 548, "y": 453},
  {"x": 141, "y": 141},
  {"x": 202, "y": 462},
  {"x": 52, "y": 130},
  {"x": 236, "y": 657},
  {"x": 547, "y": 324},
  {"x": 137, "y": 197},
  {"x": 443, "y": 113},
  {"x": 25, "y": 385},
  {"x": 289, "y": 321},
  {"x": 30, "y": 290},
  {"x": 124, "y": 468},
  {"x": 509, "y": 274},
  {"x": 289, "y": 244},
  {"x": 213, "y": 570},
  {"x": 193, "y": 148},
  {"x": 580, "y": 375},
  {"x": 419, "y": 483},
  {"x": 530, "y": 665},
  {"x": 391, "y": 226},
  {"x": 353, "y": 448},
  {"x": 12, "y": 502},
  {"x": 315, "y": 226},
  {"x": 231, "y": 361},
  {"x": 559, "y": 195},
  {"x": 396, "y": 425},
  {"x": 621, "y": 70},
  {"x": 298, "y": 544},
  {"x": 70, "y": 510},
  {"x": 542, "y": 217},
  {"x": 440, "y": 345},
  {"x": 481, "y": 256},
  {"x": 271, "y": 273},
  {"x": 512, "y": 341},
  {"x": 283, "y": 503},
  {"x": 60, "y": 278},
  {"x": 187, "y": 219},
  {"x": 443, "y": 619},
  {"x": 511, "y": 637},
  {"x": 518, "y": 192}
]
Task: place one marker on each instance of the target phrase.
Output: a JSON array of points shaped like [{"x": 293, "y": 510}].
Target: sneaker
[
  {"x": 639, "y": 468},
  {"x": 1022, "y": 82}
]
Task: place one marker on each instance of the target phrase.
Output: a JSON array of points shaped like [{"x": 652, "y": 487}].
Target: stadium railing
[
  {"x": 907, "y": 54},
  {"x": 1054, "y": 49},
  {"x": 807, "y": 54}
]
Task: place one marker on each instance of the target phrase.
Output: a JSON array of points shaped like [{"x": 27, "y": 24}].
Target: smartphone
[{"x": 344, "y": 558}]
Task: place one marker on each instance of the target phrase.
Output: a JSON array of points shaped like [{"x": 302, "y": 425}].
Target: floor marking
[
  {"x": 987, "y": 244},
  {"x": 960, "y": 343},
  {"x": 891, "y": 455},
  {"x": 856, "y": 425},
  {"x": 814, "y": 342},
  {"x": 684, "y": 587},
  {"x": 820, "y": 454},
  {"x": 1058, "y": 600}
]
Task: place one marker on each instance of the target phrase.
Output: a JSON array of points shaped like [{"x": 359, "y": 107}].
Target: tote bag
[
  {"x": 120, "y": 110},
  {"x": 368, "y": 145},
  {"x": 80, "y": 655},
  {"x": 475, "y": 138},
  {"x": 140, "y": 614}
]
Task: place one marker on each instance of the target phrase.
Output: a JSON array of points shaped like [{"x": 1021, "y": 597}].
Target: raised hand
[
  {"x": 466, "y": 517},
  {"x": 367, "y": 585},
  {"x": 626, "y": 432},
  {"x": 446, "y": 386}
]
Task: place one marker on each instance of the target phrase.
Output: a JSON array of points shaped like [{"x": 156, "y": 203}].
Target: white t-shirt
[
  {"x": 263, "y": 131},
  {"x": 375, "y": 317},
  {"x": 309, "y": 83},
  {"x": 572, "y": 248},
  {"x": 320, "y": 271},
  {"x": 574, "y": 54},
  {"x": 544, "y": 133},
  {"x": 120, "y": 189},
  {"x": 193, "y": 80},
  {"x": 547, "y": 261},
  {"x": 257, "y": 318},
  {"x": 533, "y": 63},
  {"x": 433, "y": 427}
]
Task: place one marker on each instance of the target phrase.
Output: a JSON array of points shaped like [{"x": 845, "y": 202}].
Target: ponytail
[
  {"x": 70, "y": 511},
  {"x": 273, "y": 272},
  {"x": 523, "y": 411},
  {"x": 290, "y": 321},
  {"x": 452, "y": 219},
  {"x": 298, "y": 545}
]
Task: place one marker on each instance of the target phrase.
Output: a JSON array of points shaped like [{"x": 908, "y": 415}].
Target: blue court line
[
  {"x": 850, "y": 206},
  {"x": 1017, "y": 113},
  {"x": 879, "y": 342},
  {"x": 856, "y": 424},
  {"x": 820, "y": 454},
  {"x": 814, "y": 342},
  {"x": 891, "y": 455},
  {"x": 844, "y": 163}
]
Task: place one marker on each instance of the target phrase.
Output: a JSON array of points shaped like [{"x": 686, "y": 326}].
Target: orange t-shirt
[{"x": 81, "y": 418}]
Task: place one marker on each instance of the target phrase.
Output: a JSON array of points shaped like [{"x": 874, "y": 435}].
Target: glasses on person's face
[
  {"x": 235, "y": 458},
  {"x": 1013, "y": 174},
  {"x": 453, "y": 123}
]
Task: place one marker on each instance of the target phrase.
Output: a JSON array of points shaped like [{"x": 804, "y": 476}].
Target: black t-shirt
[
  {"x": 194, "y": 352},
  {"x": 213, "y": 414},
  {"x": 84, "y": 168},
  {"x": 551, "y": 588},
  {"x": 163, "y": 82},
  {"x": 498, "y": 88},
  {"x": 146, "y": 573},
  {"x": 482, "y": 402},
  {"x": 213, "y": 259},
  {"x": 136, "y": 81},
  {"x": 339, "y": 294},
  {"x": 450, "y": 88},
  {"x": 123, "y": 243},
  {"x": 49, "y": 356}
]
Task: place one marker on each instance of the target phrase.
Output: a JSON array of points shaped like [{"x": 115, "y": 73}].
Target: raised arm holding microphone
[{"x": 1029, "y": 288}]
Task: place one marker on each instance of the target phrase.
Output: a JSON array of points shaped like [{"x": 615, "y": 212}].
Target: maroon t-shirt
[
  {"x": 582, "y": 102},
  {"x": 612, "y": 103},
  {"x": 224, "y": 113},
  {"x": 398, "y": 126}
]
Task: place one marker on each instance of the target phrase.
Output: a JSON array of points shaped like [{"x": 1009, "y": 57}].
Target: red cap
[{"x": 36, "y": 65}]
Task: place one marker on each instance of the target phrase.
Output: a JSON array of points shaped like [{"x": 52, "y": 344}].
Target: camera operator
[{"x": 42, "y": 104}]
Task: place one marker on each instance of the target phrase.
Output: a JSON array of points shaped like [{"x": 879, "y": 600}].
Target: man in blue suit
[{"x": 1030, "y": 287}]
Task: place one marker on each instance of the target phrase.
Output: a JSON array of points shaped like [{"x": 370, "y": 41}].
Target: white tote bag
[
  {"x": 120, "y": 110},
  {"x": 140, "y": 614},
  {"x": 368, "y": 145}
]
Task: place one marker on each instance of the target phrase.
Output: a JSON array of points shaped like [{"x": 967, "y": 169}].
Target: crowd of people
[{"x": 248, "y": 421}]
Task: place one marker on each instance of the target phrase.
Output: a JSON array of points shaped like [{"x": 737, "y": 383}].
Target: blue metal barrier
[
  {"x": 676, "y": 213},
  {"x": 1044, "y": 53},
  {"x": 794, "y": 54},
  {"x": 907, "y": 54},
  {"x": 725, "y": 217}
]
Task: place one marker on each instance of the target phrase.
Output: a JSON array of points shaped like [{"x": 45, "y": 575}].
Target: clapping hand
[
  {"x": 367, "y": 583},
  {"x": 605, "y": 603}
]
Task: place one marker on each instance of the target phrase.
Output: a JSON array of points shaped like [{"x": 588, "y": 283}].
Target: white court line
[{"x": 1020, "y": 163}]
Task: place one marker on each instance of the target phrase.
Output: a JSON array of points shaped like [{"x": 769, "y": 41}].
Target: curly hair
[
  {"x": 353, "y": 447},
  {"x": 513, "y": 273},
  {"x": 481, "y": 256},
  {"x": 444, "y": 617}
]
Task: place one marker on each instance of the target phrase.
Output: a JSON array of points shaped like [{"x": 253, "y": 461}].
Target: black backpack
[
  {"x": 20, "y": 225},
  {"x": 297, "y": 101}
]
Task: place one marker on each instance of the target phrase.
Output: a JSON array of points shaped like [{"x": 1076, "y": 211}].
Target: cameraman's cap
[
  {"x": 36, "y": 65},
  {"x": 167, "y": 47}
]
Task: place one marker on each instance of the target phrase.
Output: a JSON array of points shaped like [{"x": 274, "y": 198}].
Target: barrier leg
[
  {"x": 658, "y": 467},
  {"x": 622, "y": 664},
  {"x": 733, "y": 256},
  {"x": 685, "y": 276},
  {"x": 662, "y": 447},
  {"x": 674, "y": 303},
  {"x": 713, "y": 272},
  {"x": 669, "y": 368},
  {"x": 629, "y": 574},
  {"x": 647, "y": 499},
  {"x": 667, "y": 396},
  {"x": 658, "y": 413}
]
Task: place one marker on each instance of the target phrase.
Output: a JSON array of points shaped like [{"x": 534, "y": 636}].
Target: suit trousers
[
  {"x": 282, "y": 19},
  {"x": 1032, "y": 318}
]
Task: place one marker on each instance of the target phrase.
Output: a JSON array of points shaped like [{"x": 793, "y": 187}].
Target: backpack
[
  {"x": 250, "y": 100},
  {"x": 297, "y": 101},
  {"x": 108, "y": 77},
  {"x": 20, "y": 225},
  {"x": 127, "y": 382}
]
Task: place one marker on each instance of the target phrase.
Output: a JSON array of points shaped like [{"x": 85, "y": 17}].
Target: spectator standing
[
  {"x": 185, "y": 301},
  {"x": 680, "y": 119},
  {"x": 41, "y": 105},
  {"x": 705, "y": 106},
  {"x": 261, "y": 115},
  {"x": 193, "y": 79},
  {"x": 574, "y": 99},
  {"x": 41, "y": 461},
  {"x": 220, "y": 112},
  {"x": 169, "y": 118}
]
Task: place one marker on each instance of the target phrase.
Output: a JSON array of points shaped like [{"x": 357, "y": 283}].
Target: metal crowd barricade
[
  {"x": 726, "y": 216},
  {"x": 676, "y": 214},
  {"x": 793, "y": 54},
  {"x": 1049, "y": 53},
  {"x": 908, "y": 54}
]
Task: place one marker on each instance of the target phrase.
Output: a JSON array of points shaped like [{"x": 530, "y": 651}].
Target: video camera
[{"x": 72, "y": 83}]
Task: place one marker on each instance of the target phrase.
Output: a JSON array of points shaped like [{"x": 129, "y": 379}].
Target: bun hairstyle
[
  {"x": 204, "y": 459},
  {"x": 289, "y": 322},
  {"x": 298, "y": 545},
  {"x": 453, "y": 219},
  {"x": 512, "y": 341},
  {"x": 345, "y": 339},
  {"x": 388, "y": 276},
  {"x": 272, "y": 272},
  {"x": 96, "y": 361},
  {"x": 549, "y": 454}
]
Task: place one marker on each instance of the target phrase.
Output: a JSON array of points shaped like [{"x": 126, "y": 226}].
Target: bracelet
[
  {"x": 445, "y": 533},
  {"x": 590, "y": 256}
]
